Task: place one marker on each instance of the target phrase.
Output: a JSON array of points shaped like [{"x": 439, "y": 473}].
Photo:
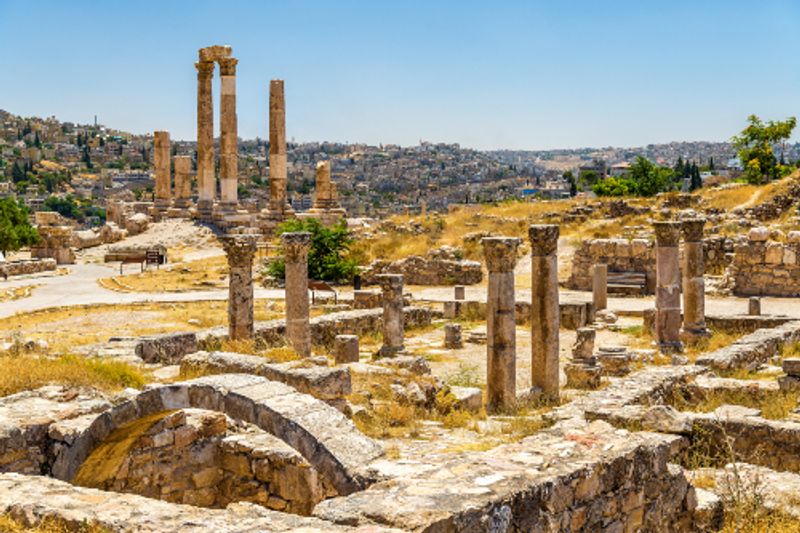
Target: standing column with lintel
[
  {"x": 501, "y": 328},
  {"x": 694, "y": 308},
  {"x": 668, "y": 286},
  {"x": 240, "y": 250},
  {"x": 545, "y": 319},
  {"x": 161, "y": 163},
  {"x": 392, "y": 287},
  {"x": 228, "y": 144},
  {"x": 206, "y": 181},
  {"x": 295, "y": 255}
]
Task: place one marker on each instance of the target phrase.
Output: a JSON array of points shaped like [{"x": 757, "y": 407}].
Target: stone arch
[{"x": 327, "y": 439}]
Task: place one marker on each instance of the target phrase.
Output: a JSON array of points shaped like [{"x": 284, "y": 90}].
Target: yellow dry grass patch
[
  {"x": 17, "y": 293},
  {"x": 65, "y": 328},
  {"x": 26, "y": 372},
  {"x": 201, "y": 274},
  {"x": 8, "y": 524}
]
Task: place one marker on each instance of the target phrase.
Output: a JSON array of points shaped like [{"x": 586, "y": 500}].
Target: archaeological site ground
[{"x": 583, "y": 364}]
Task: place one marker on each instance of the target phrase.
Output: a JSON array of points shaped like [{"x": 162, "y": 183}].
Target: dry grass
[
  {"x": 17, "y": 293},
  {"x": 65, "y": 328},
  {"x": 26, "y": 372},
  {"x": 775, "y": 406},
  {"x": 201, "y": 274},
  {"x": 753, "y": 518},
  {"x": 717, "y": 340},
  {"x": 730, "y": 196},
  {"x": 49, "y": 525}
]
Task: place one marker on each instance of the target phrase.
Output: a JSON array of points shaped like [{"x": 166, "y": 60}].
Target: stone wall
[
  {"x": 765, "y": 268},
  {"x": 437, "y": 268},
  {"x": 205, "y": 459},
  {"x": 33, "y": 266}
]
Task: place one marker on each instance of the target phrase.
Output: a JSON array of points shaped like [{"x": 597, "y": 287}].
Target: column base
[
  {"x": 205, "y": 210},
  {"x": 390, "y": 351},
  {"x": 670, "y": 347},
  {"x": 581, "y": 375},
  {"x": 694, "y": 335}
]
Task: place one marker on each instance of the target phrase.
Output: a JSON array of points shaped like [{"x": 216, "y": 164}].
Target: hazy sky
[{"x": 486, "y": 74}]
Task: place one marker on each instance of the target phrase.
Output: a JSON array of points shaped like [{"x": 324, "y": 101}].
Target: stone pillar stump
[
  {"x": 295, "y": 254},
  {"x": 600, "y": 287},
  {"x": 668, "y": 287},
  {"x": 345, "y": 349},
  {"x": 392, "y": 293},
  {"x": 545, "y": 317},
  {"x": 694, "y": 308},
  {"x": 240, "y": 250}
]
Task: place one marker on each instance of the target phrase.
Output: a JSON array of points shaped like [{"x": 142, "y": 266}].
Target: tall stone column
[
  {"x": 278, "y": 204},
  {"x": 694, "y": 296},
  {"x": 240, "y": 250},
  {"x": 668, "y": 286},
  {"x": 392, "y": 287},
  {"x": 545, "y": 317},
  {"x": 183, "y": 180},
  {"x": 600, "y": 287},
  {"x": 161, "y": 160},
  {"x": 501, "y": 332},
  {"x": 295, "y": 254},
  {"x": 228, "y": 144},
  {"x": 206, "y": 181}
]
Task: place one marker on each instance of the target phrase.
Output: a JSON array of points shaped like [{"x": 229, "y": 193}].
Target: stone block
[
  {"x": 452, "y": 336},
  {"x": 791, "y": 366},
  {"x": 345, "y": 349},
  {"x": 469, "y": 398},
  {"x": 759, "y": 234},
  {"x": 583, "y": 376}
]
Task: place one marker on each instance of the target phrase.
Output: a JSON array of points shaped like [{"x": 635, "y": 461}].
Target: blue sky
[{"x": 489, "y": 74}]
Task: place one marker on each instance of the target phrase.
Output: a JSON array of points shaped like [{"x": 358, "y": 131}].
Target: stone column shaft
[
  {"x": 206, "y": 183},
  {"x": 295, "y": 253},
  {"x": 668, "y": 286},
  {"x": 600, "y": 287},
  {"x": 501, "y": 328},
  {"x": 240, "y": 250},
  {"x": 229, "y": 165},
  {"x": 277, "y": 149},
  {"x": 161, "y": 161},
  {"x": 545, "y": 318},
  {"x": 183, "y": 180},
  {"x": 392, "y": 287},
  {"x": 694, "y": 319}
]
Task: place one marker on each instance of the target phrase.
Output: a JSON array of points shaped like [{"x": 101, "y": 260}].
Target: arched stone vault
[{"x": 325, "y": 437}]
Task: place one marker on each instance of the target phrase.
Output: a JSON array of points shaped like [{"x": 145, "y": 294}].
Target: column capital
[
  {"x": 544, "y": 238},
  {"x": 390, "y": 282},
  {"x": 240, "y": 249},
  {"x": 205, "y": 69},
  {"x": 500, "y": 253},
  {"x": 667, "y": 233},
  {"x": 692, "y": 229},
  {"x": 295, "y": 246},
  {"x": 227, "y": 66}
]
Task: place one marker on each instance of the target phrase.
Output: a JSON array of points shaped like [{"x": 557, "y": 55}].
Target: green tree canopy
[
  {"x": 327, "y": 258},
  {"x": 15, "y": 229},
  {"x": 754, "y": 146}
]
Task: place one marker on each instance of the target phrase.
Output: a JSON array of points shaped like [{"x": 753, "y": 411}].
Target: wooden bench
[
  {"x": 629, "y": 283},
  {"x": 321, "y": 286}
]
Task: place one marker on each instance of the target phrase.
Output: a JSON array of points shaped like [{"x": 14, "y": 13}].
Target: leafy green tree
[
  {"x": 66, "y": 207},
  {"x": 711, "y": 164},
  {"x": 695, "y": 181},
  {"x": 15, "y": 229},
  {"x": 17, "y": 172},
  {"x": 328, "y": 256},
  {"x": 569, "y": 177},
  {"x": 588, "y": 178},
  {"x": 612, "y": 186},
  {"x": 650, "y": 179},
  {"x": 754, "y": 146}
]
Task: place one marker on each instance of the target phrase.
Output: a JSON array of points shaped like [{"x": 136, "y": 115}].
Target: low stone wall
[
  {"x": 418, "y": 270},
  {"x": 745, "y": 323},
  {"x": 205, "y": 459},
  {"x": 753, "y": 349},
  {"x": 573, "y": 314},
  {"x": 32, "y": 266},
  {"x": 765, "y": 268},
  {"x": 167, "y": 349}
]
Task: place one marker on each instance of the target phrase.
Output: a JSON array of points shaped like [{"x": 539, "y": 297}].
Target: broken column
[
  {"x": 326, "y": 201},
  {"x": 668, "y": 286},
  {"x": 600, "y": 287},
  {"x": 206, "y": 182},
  {"x": 161, "y": 156},
  {"x": 694, "y": 308},
  {"x": 754, "y": 306},
  {"x": 582, "y": 371},
  {"x": 459, "y": 292},
  {"x": 240, "y": 250},
  {"x": 544, "y": 308},
  {"x": 279, "y": 207},
  {"x": 501, "y": 328},
  {"x": 452, "y": 337},
  {"x": 392, "y": 291},
  {"x": 345, "y": 349},
  {"x": 295, "y": 254},
  {"x": 228, "y": 144},
  {"x": 183, "y": 180}
]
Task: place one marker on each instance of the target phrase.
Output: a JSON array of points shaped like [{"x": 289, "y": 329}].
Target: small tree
[
  {"x": 15, "y": 229},
  {"x": 327, "y": 257},
  {"x": 650, "y": 179},
  {"x": 755, "y": 147},
  {"x": 569, "y": 177},
  {"x": 696, "y": 181}
]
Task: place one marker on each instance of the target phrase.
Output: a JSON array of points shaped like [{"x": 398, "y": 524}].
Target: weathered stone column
[
  {"x": 206, "y": 182},
  {"x": 600, "y": 287},
  {"x": 501, "y": 328},
  {"x": 668, "y": 286},
  {"x": 322, "y": 187},
  {"x": 183, "y": 180},
  {"x": 295, "y": 255},
  {"x": 278, "y": 204},
  {"x": 582, "y": 371},
  {"x": 240, "y": 250},
  {"x": 392, "y": 287},
  {"x": 694, "y": 297},
  {"x": 754, "y": 306},
  {"x": 161, "y": 156},
  {"x": 228, "y": 144},
  {"x": 544, "y": 308}
]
